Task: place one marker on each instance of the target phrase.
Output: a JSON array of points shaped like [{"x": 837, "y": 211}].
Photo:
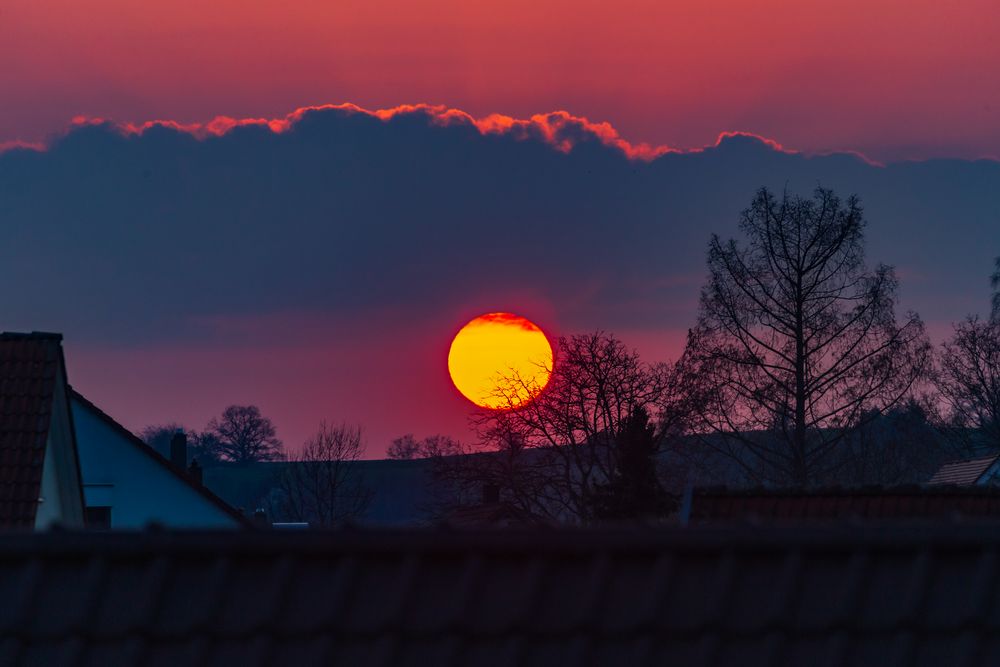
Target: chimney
[
  {"x": 260, "y": 518},
  {"x": 179, "y": 450},
  {"x": 491, "y": 494},
  {"x": 194, "y": 472}
]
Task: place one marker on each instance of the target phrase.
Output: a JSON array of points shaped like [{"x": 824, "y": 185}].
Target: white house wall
[
  {"x": 50, "y": 505},
  {"x": 139, "y": 489}
]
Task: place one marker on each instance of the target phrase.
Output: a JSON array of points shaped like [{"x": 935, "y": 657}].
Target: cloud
[
  {"x": 560, "y": 129},
  {"x": 17, "y": 144},
  {"x": 153, "y": 231}
]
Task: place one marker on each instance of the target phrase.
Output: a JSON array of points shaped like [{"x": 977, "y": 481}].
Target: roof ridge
[
  {"x": 970, "y": 459},
  {"x": 844, "y": 490},
  {"x": 33, "y": 335}
]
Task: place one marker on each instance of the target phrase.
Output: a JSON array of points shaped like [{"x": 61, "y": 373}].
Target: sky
[
  {"x": 895, "y": 79},
  {"x": 333, "y": 189}
]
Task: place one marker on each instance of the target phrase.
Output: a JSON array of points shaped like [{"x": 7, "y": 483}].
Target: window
[{"x": 98, "y": 518}]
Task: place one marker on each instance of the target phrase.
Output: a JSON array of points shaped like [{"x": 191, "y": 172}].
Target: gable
[{"x": 140, "y": 486}]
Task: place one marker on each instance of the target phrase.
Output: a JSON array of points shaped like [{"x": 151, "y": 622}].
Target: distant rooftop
[
  {"x": 844, "y": 503},
  {"x": 964, "y": 472}
]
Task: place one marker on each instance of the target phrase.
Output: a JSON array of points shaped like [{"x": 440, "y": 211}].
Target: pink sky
[
  {"x": 892, "y": 78},
  {"x": 389, "y": 381}
]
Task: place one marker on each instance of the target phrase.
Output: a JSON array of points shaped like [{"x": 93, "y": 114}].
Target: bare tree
[
  {"x": 557, "y": 454},
  {"x": 797, "y": 343},
  {"x": 404, "y": 448},
  {"x": 244, "y": 435},
  {"x": 407, "y": 447},
  {"x": 455, "y": 472},
  {"x": 901, "y": 446},
  {"x": 968, "y": 378},
  {"x": 323, "y": 485}
]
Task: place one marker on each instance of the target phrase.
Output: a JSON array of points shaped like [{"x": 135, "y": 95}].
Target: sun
[{"x": 493, "y": 349}]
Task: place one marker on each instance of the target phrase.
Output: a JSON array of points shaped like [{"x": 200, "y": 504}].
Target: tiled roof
[
  {"x": 964, "y": 472},
  {"x": 133, "y": 439},
  {"x": 29, "y": 369},
  {"x": 903, "y": 502},
  {"x": 852, "y": 596}
]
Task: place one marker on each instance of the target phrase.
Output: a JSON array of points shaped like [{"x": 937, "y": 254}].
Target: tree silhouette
[
  {"x": 201, "y": 446},
  {"x": 244, "y": 435},
  {"x": 158, "y": 436},
  {"x": 634, "y": 490},
  {"x": 968, "y": 378},
  {"x": 407, "y": 447},
  {"x": 554, "y": 455},
  {"x": 322, "y": 484},
  {"x": 900, "y": 446},
  {"x": 797, "y": 343}
]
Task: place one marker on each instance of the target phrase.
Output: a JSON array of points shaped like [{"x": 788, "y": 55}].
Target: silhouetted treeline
[
  {"x": 798, "y": 371},
  {"x": 240, "y": 435}
]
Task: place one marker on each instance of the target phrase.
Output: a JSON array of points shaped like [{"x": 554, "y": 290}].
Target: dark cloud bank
[{"x": 131, "y": 238}]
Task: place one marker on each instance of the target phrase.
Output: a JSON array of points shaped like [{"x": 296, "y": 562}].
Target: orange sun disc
[{"x": 500, "y": 360}]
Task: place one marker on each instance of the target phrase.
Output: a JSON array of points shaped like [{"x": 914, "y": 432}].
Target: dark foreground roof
[
  {"x": 965, "y": 471},
  {"x": 30, "y": 366},
  {"x": 854, "y": 596},
  {"x": 899, "y": 502}
]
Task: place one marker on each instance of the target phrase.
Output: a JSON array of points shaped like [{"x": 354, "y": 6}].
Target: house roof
[
  {"x": 854, "y": 595},
  {"x": 30, "y": 367},
  {"x": 965, "y": 471},
  {"x": 901, "y": 502},
  {"x": 155, "y": 456}
]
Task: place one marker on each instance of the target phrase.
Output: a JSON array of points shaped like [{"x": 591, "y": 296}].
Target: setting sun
[{"x": 494, "y": 348}]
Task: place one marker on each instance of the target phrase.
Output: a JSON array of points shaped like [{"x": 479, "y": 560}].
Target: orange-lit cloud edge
[{"x": 560, "y": 129}]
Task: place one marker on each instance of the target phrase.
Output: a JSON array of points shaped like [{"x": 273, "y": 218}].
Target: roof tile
[
  {"x": 871, "y": 503},
  {"x": 858, "y": 595},
  {"x": 29, "y": 366},
  {"x": 964, "y": 472}
]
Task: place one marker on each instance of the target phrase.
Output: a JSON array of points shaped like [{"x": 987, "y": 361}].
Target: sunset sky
[
  {"x": 892, "y": 78},
  {"x": 318, "y": 261}
]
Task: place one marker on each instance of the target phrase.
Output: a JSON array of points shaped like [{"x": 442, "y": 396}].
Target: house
[
  {"x": 40, "y": 480},
  {"x": 64, "y": 461},
  {"x": 966, "y": 472},
  {"x": 127, "y": 484},
  {"x": 865, "y": 596}
]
